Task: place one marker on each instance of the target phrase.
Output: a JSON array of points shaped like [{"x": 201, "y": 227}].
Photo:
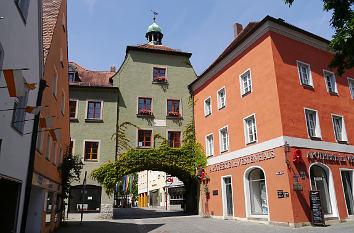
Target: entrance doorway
[
  {"x": 257, "y": 192},
  {"x": 320, "y": 181},
  {"x": 227, "y": 196},
  {"x": 9, "y": 202},
  {"x": 91, "y": 202},
  {"x": 347, "y": 180}
]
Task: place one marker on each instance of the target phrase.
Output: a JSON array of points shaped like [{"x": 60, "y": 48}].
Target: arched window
[
  {"x": 257, "y": 192},
  {"x": 319, "y": 181}
]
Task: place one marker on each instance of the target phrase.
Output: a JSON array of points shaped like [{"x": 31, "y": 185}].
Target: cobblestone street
[{"x": 144, "y": 220}]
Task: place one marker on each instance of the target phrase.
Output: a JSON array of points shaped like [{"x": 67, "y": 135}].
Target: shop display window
[{"x": 258, "y": 192}]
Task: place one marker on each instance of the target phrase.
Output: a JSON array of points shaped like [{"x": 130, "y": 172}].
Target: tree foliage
[
  {"x": 180, "y": 162},
  {"x": 70, "y": 171},
  {"x": 343, "y": 42},
  {"x": 123, "y": 142}
]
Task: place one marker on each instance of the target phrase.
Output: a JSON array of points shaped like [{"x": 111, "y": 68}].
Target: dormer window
[
  {"x": 71, "y": 77},
  {"x": 159, "y": 75}
]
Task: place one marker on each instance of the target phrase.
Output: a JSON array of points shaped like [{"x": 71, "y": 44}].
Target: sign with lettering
[
  {"x": 329, "y": 157},
  {"x": 280, "y": 194},
  {"x": 297, "y": 186},
  {"x": 243, "y": 161},
  {"x": 316, "y": 208}
]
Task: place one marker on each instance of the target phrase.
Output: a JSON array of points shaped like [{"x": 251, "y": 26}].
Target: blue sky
[{"x": 100, "y": 30}]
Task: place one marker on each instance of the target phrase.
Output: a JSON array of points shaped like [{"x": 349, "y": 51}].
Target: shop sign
[
  {"x": 215, "y": 192},
  {"x": 329, "y": 157},
  {"x": 243, "y": 161},
  {"x": 280, "y": 194},
  {"x": 297, "y": 186}
]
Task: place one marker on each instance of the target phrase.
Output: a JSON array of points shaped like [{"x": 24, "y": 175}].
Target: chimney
[
  {"x": 113, "y": 68},
  {"x": 237, "y": 29}
]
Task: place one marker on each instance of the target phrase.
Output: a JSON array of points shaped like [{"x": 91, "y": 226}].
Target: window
[
  {"x": 73, "y": 109},
  {"x": 246, "y": 82},
  {"x": 19, "y": 114},
  {"x": 144, "y": 138},
  {"x": 351, "y": 86},
  {"x": 49, "y": 205},
  {"x": 144, "y": 106},
  {"x": 39, "y": 142},
  {"x": 257, "y": 192},
  {"x": 94, "y": 110},
  {"x": 91, "y": 151},
  {"x": 60, "y": 156},
  {"x": 304, "y": 74},
  {"x": 207, "y": 106},
  {"x": 339, "y": 128},
  {"x": 221, "y": 98},
  {"x": 71, "y": 147},
  {"x": 209, "y": 145},
  {"x": 224, "y": 139},
  {"x": 312, "y": 123},
  {"x": 48, "y": 149},
  {"x": 159, "y": 75},
  {"x": 61, "y": 58},
  {"x": 55, "y": 148},
  {"x": 173, "y": 108},
  {"x": 250, "y": 129},
  {"x": 71, "y": 77},
  {"x": 174, "y": 139},
  {"x": 62, "y": 102},
  {"x": 330, "y": 81},
  {"x": 63, "y": 21},
  {"x": 23, "y": 6},
  {"x": 55, "y": 82}
]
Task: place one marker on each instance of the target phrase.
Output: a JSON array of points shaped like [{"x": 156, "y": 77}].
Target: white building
[{"x": 20, "y": 47}]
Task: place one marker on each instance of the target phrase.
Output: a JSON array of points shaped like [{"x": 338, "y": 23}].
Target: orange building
[
  {"x": 276, "y": 123},
  {"x": 44, "y": 211}
]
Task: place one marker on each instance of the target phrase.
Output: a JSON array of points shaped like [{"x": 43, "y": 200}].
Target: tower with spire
[{"x": 154, "y": 34}]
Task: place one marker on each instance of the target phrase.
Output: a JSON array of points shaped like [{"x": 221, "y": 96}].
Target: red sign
[
  {"x": 169, "y": 179},
  {"x": 297, "y": 156}
]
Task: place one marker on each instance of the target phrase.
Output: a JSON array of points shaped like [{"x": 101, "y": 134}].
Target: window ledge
[
  {"x": 207, "y": 115},
  {"x": 94, "y": 161},
  {"x": 174, "y": 117},
  {"x": 342, "y": 142},
  {"x": 74, "y": 120},
  {"x": 222, "y": 107},
  {"x": 145, "y": 115},
  {"x": 250, "y": 143},
  {"x": 160, "y": 82},
  {"x": 94, "y": 120},
  {"x": 224, "y": 151},
  {"x": 316, "y": 138},
  {"x": 209, "y": 156},
  {"x": 143, "y": 147},
  {"x": 308, "y": 86},
  {"x": 247, "y": 93},
  {"x": 333, "y": 93}
]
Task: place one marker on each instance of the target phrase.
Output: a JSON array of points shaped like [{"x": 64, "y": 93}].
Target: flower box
[
  {"x": 161, "y": 79},
  {"x": 175, "y": 114},
  {"x": 145, "y": 112}
]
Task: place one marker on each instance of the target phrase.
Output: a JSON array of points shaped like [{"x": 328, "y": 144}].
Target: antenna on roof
[{"x": 155, "y": 13}]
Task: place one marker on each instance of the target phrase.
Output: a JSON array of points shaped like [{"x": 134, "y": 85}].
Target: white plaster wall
[{"x": 20, "y": 42}]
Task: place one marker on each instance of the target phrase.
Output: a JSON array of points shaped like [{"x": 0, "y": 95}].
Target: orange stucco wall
[{"x": 42, "y": 166}]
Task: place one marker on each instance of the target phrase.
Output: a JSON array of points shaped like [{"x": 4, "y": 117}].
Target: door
[
  {"x": 228, "y": 202},
  {"x": 319, "y": 181},
  {"x": 347, "y": 180}
]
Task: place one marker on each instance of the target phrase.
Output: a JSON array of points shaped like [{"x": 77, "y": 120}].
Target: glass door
[
  {"x": 319, "y": 181},
  {"x": 228, "y": 196},
  {"x": 347, "y": 180}
]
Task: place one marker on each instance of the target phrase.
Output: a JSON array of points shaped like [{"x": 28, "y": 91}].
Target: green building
[{"x": 153, "y": 82}]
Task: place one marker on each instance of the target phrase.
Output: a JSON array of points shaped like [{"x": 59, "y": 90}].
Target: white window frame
[
  {"x": 98, "y": 151},
  {"x": 62, "y": 106},
  {"x": 333, "y": 81},
  {"x": 206, "y": 112},
  {"x": 351, "y": 86},
  {"x": 55, "y": 83},
  {"x": 246, "y": 131},
  {"x": 310, "y": 82},
  {"x": 221, "y": 141},
  {"x": 76, "y": 108},
  {"x": 344, "y": 132},
  {"x": 242, "y": 87},
  {"x": 101, "y": 110},
  {"x": 48, "y": 147},
  {"x": 209, "y": 151},
  {"x": 55, "y": 153},
  {"x": 221, "y": 104},
  {"x": 39, "y": 143},
  {"x": 317, "y": 126}
]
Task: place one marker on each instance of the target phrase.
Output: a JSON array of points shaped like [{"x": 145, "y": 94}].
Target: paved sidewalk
[{"x": 157, "y": 221}]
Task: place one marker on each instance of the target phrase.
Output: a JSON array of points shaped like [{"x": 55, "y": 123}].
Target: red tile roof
[
  {"x": 50, "y": 13},
  {"x": 91, "y": 78}
]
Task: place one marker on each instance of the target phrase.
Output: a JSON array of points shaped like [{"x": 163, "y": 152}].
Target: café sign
[{"x": 243, "y": 161}]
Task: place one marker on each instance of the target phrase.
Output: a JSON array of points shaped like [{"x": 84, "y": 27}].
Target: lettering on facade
[
  {"x": 329, "y": 157},
  {"x": 243, "y": 161}
]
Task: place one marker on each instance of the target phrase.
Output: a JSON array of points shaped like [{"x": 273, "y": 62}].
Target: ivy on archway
[{"x": 180, "y": 162}]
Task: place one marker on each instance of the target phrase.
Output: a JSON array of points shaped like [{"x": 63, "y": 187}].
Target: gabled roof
[
  {"x": 91, "y": 78},
  {"x": 158, "y": 49},
  {"x": 50, "y": 11}
]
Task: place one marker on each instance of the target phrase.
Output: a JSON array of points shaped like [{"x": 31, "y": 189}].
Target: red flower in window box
[
  {"x": 145, "y": 112},
  {"x": 173, "y": 114},
  {"x": 161, "y": 79}
]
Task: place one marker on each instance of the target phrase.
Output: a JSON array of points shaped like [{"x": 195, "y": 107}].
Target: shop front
[{"x": 273, "y": 186}]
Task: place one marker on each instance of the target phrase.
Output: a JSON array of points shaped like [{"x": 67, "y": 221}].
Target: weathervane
[{"x": 155, "y": 13}]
